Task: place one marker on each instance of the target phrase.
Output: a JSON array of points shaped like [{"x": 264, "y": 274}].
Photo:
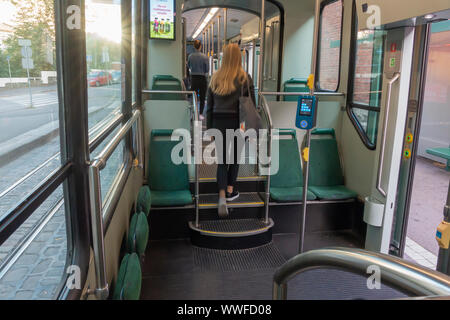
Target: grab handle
[{"x": 383, "y": 142}]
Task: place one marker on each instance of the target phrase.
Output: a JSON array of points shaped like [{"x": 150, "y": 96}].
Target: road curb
[{"x": 20, "y": 145}]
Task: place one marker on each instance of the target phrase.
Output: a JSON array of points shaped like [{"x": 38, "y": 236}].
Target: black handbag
[{"x": 249, "y": 117}]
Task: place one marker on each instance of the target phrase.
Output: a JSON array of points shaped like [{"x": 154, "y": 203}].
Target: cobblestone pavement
[{"x": 38, "y": 270}]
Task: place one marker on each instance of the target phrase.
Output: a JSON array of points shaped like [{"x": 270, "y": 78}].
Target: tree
[{"x": 34, "y": 21}]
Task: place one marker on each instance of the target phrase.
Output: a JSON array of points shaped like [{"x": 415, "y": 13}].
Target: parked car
[
  {"x": 99, "y": 78},
  {"x": 116, "y": 77}
]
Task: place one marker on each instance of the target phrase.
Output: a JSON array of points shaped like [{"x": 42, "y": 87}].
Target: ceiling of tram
[{"x": 236, "y": 18}]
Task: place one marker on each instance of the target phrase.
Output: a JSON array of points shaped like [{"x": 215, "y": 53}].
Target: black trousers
[
  {"x": 228, "y": 167},
  {"x": 199, "y": 85}
]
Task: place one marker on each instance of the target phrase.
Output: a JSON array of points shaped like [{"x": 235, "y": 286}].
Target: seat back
[
  {"x": 295, "y": 85},
  {"x": 129, "y": 279},
  {"x": 166, "y": 83},
  {"x": 138, "y": 234},
  {"x": 163, "y": 174},
  {"x": 324, "y": 162},
  {"x": 144, "y": 201},
  {"x": 290, "y": 169}
]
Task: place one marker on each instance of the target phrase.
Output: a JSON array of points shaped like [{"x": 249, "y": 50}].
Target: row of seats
[
  {"x": 326, "y": 180},
  {"x": 169, "y": 182},
  {"x": 129, "y": 279}
]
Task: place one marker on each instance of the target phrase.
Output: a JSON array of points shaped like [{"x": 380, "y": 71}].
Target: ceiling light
[
  {"x": 429, "y": 16},
  {"x": 212, "y": 12}
]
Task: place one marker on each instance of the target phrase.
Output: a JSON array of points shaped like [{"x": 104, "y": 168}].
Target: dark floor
[{"x": 174, "y": 269}]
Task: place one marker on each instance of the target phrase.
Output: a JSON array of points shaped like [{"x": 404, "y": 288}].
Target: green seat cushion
[
  {"x": 129, "y": 279},
  {"x": 333, "y": 192},
  {"x": 138, "y": 234},
  {"x": 324, "y": 164},
  {"x": 171, "y": 198},
  {"x": 294, "y": 194},
  {"x": 144, "y": 201}
]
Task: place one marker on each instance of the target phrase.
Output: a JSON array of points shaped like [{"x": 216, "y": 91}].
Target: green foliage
[{"x": 34, "y": 21}]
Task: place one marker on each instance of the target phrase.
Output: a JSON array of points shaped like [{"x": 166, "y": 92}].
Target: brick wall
[{"x": 330, "y": 46}]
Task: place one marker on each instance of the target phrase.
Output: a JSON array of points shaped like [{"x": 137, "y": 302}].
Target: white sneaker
[{"x": 223, "y": 209}]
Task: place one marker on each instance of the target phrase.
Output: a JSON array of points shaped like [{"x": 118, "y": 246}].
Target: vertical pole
[
  {"x": 27, "y": 57},
  {"x": 218, "y": 39},
  {"x": 212, "y": 40},
  {"x": 308, "y": 134},
  {"x": 9, "y": 67},
  {"x": 262, "y": 34},
  {"x": 225, "y": 26}
]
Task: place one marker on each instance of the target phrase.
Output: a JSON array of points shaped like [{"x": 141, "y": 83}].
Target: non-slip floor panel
[
  {"x": 264, "y": 257},
  {"x": 232, "y": 225},
  {"x": 175, "y": 270}
]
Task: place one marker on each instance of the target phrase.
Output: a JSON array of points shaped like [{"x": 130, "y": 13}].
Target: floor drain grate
[{"x": 264, "y": 257}]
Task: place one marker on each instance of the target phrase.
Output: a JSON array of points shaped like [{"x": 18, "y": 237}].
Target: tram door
[
  {"x": 404, "y": 71},
  {"x": 396, "y": 74}
]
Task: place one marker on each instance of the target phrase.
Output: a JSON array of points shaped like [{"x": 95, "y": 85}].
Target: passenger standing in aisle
[
  {"x": 227, "y": 85},
  {"x": 198, "y": 64}
]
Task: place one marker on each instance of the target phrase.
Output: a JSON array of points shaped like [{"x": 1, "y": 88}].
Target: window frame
[
  {"x": 351, "y": 81},
  {"x": 319, "y": 49}
]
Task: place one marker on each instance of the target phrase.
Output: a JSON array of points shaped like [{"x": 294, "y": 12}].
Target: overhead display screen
[{"x": 162, "y": 19}]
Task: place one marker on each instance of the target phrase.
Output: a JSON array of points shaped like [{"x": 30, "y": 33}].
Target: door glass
[
  {"x": 430, "y": 183},
  {"x": 103, "y": 58}
]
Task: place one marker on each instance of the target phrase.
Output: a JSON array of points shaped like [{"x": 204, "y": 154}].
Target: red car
[{"x": 100, "y": 78}]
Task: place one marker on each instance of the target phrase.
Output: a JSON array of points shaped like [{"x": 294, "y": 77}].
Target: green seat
[
  {"x": 168, "y": 182},
  {"x": 166, "y": 83},
  {"x": 138, "y": 234},
  {"x": 144, "y": 200},
  {"x": 129, "y": 279},
  {"x": 443, "y": 153},
  {"x": 287, "y": 184},
  {"x": 325, "y": 176},
  {"x": 295, "y": 85}
]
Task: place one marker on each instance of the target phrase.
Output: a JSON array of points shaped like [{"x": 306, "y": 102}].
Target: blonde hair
[{"x": 223, "y": 81}]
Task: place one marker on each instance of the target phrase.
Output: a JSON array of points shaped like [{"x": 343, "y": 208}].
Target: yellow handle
[
  {"x": 310, "y": 82},
  {"x": 305, "y": 154}
]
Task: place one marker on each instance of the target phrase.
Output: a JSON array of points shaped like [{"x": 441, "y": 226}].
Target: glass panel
[
  {"x": 33, "y": 259},
  {"x": 103, "y": 57},
  {"x": 368, "y": 75},
  {"x": 113, "y": 165},
  {"x": 368, "y": 121},
  {"x": 29, "y": 106},
  {"x": 330, "y": 46},
  {"x": 133, "y": 50}
]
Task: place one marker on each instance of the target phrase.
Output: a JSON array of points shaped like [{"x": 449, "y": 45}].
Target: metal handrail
[
  {"x": 383, "y": 140},
  {"x": 394, "y": 271},
  {"x": 195, "y": 118},
  {"x": 97, "y": 219},
  {"x": 265, "y": 107}
]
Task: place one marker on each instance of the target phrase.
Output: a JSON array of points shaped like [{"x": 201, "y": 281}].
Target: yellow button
[
  {"x": 407, "y": 153},
  {"x": 409, "y": 138}
]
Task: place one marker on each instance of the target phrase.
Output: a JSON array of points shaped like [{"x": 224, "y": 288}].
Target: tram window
[
  {"x": 133, "y": 50},
  {"x": 103, "y": 58},
  {"x": 366, "y": 84},
  {"x": 38, "y": 268},
  {"x": 29, "y": 103},
  {"x": 330, "y": 46}
]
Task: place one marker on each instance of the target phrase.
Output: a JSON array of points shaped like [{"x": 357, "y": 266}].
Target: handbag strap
[{"x": 248, "y": 87}]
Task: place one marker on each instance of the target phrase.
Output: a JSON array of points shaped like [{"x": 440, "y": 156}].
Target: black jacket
[{"x": 228, "y": 104}]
